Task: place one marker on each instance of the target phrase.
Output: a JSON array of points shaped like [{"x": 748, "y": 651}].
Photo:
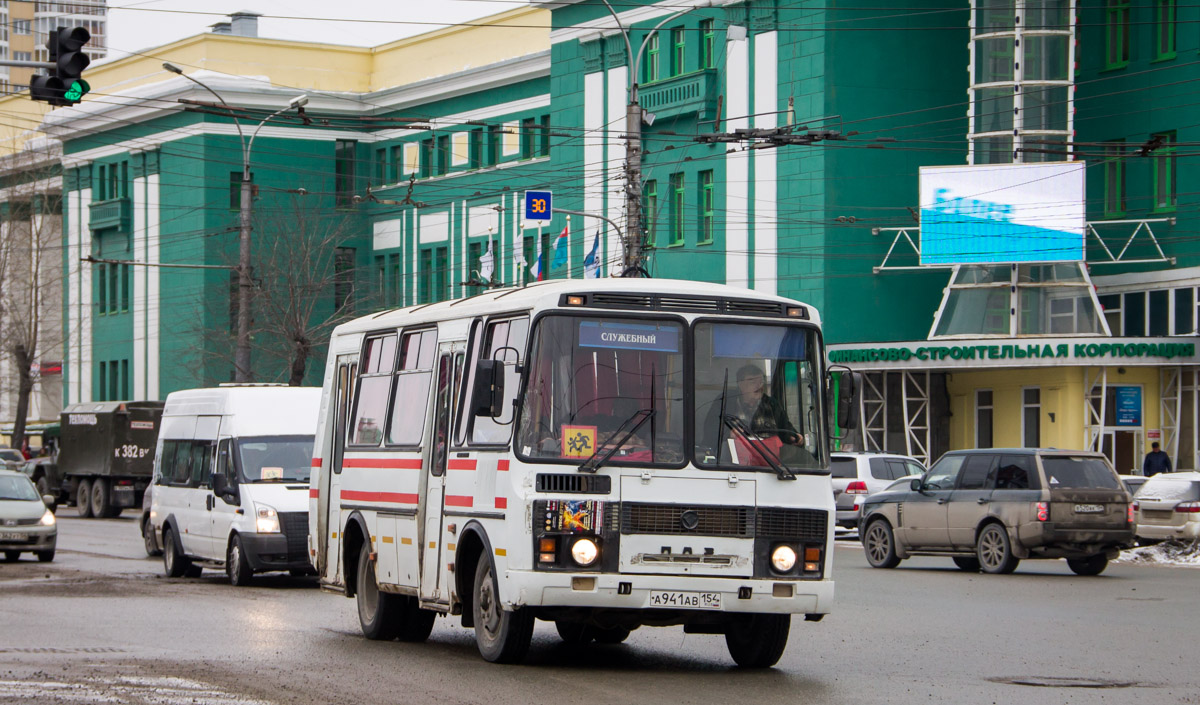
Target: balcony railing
[
  {"x": 694, "y": 92},
  {"x": 113, "y": 213}
]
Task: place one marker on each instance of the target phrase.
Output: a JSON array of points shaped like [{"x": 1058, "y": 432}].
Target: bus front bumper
[{"x": 653, "y": 592}]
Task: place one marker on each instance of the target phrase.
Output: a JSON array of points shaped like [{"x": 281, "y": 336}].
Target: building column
[
  {"x": 614, "y": 129},
  {"x": 766, "y": 103},
  {"x": 737, "y": 166},
  {"x": 139, "y": 288},
  {"x": 153, "y": 315}
]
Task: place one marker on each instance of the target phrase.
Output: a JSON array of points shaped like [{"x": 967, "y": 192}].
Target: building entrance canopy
[{"x": 946, "y": 355}]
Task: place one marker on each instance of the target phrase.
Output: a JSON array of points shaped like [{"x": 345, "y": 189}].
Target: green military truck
[{"x": 107, "y": 454}]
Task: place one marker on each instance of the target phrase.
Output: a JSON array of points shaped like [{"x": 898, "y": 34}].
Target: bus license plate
[
  {"x": 686, "y": 600},
  {"x": 1089, "y": 508}
]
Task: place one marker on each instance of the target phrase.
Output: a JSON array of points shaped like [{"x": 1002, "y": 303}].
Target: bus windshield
[
  {"x": 757, "y": 396},
  {"x": 275, "y": 458},
  {"x": 606, "y": 387}
]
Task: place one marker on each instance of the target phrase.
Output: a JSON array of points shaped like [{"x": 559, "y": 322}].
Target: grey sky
[{"x": 134, "y": 25}]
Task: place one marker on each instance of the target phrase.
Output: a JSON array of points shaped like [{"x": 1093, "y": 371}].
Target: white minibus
[
  {"x": 231, "y": 480},
  {"x": 601, "y": 454}
]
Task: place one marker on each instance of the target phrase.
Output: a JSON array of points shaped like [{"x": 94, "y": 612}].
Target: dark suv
[{"x": 988, "y": 509}]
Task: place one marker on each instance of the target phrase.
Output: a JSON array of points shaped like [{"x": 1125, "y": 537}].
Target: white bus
[{"x": 603, "y": 454}]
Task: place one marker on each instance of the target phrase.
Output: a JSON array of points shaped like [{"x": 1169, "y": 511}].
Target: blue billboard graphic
[
  {"x": 995, "y": 214},
  {"x": 1129, "y": 406}
]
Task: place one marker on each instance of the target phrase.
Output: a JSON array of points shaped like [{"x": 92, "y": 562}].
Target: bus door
[
  {"x": 331, "y": 475},
  {"x": 449, "y": 374}
]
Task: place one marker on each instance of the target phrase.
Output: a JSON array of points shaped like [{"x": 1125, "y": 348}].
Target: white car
[
  {"x": 11, "y": 459},
  {"x": 1168, "y": 507},
  {"x": 860, "y": 474},
  {"x": 26, "y": 523}
]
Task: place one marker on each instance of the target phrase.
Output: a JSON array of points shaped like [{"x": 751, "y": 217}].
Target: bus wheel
[
  {"x": 612, "y": 635},
  {"x": 502, "y": 636},
  {"x": 413, "y": 624},
  {"x": 758, "y": 640},
  {"x": 83, "y": 498},
  {"x": 574, "y": 633},
  {"x": 378, "y": 612}
]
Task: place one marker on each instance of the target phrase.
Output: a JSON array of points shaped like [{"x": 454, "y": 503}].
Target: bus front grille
[
  {"x": 669, "y": 519},
  {"x": 805, "y": 525}
]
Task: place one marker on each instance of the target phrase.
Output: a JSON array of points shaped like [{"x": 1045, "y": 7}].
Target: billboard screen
[{"x": 996, "y": 213}]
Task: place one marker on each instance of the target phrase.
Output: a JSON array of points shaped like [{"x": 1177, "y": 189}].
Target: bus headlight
[
  {"x": 585, "y": 552},
  {"x": 783, "y": 558},
  {"x": 267, "y": 519}
]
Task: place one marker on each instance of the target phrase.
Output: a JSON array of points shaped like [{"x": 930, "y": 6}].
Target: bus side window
[
  {"x": 411, "y": 395},
  {"x": 183, "y": 463},
  {"x": 503, "y": 341},
  {"x": 462, "y": 417},
  {"x": 165, "y": 460},
  {"x": 375, "y": 380}
]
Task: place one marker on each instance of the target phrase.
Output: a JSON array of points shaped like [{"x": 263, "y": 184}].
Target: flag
[
  {"x": 487, "y": 264},
  {"x": 591, "y": 263},
  {"x": 536, "y": 269},
  {"x": 560, "y": 249}
]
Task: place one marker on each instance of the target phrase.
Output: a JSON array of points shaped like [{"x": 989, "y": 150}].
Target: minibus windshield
[
  {"x": 275, "y": 458},
  {"x": 607, "y": 387}
]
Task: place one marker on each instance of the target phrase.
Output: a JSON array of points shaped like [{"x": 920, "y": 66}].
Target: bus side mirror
[
  {"x": 846, "y": 384},
  {"x": 488, "y": 395}
]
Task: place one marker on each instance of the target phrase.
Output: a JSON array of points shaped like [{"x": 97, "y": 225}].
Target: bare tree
[
  {"x": 306, "y": 282},
  {"x": 31, "y": 277}
]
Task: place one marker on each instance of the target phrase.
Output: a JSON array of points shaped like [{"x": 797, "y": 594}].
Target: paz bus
[{"x": 601, "y": 454}]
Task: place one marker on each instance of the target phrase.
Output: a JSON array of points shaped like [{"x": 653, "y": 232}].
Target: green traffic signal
[{"x": 77, "y": 90}]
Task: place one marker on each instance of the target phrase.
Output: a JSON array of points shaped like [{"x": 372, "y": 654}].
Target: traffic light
[{"x": 64, "y": 84}]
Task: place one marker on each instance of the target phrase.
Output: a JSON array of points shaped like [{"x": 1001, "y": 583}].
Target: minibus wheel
[
  {"x": 378, "y": 612},
  {"x": 502, "y": 635}
]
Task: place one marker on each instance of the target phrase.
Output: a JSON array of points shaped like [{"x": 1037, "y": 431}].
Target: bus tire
[
  {"x": 574, "y": 633},
  {"x": 83, "y": 498},
  {"x": 611, "y": 635},
  {"x": 758, "y": 640},
  {"x": 414, "y": 624},
  {"x": 502, "y": 636},
  {"x": 378, "y": 612},
  {"x": 237, "y": 567}
]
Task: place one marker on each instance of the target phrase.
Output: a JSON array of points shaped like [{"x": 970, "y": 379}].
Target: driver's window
[
  {"x": 943, "y": 475},
  {"x": 224, "y": 463},
  {"x": 503, "y": 341}
]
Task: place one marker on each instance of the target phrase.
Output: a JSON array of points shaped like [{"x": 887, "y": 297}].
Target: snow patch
[{"x": 1170, "y": 553}]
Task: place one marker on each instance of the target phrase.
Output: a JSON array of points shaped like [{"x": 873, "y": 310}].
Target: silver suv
[
  {"x": 859, "y": 475},
  {"x": 988, "y": 509}
]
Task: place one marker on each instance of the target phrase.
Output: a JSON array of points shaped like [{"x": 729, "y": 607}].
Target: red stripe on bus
[
  {"x": 460, "y": 464},
  {"x": 502, "y": 466},
  {"x": 501, "y": 503},
  {"x": 314, "y": 494},
  {"x": 458, "y": 500},
  {"x": 390, "y": 497},
  {"x": 391, "y": 463},
  {"x": 316, "y": 463}
]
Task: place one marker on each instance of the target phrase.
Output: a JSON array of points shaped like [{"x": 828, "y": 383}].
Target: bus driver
[{"x": 757, "y": 411}]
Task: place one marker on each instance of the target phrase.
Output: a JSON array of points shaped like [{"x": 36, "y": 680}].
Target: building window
[
  {"x": 344, "y": 172},
  {"x": 102, "y": 382},
  {"x": 543, "y": 147},
  {"x": 1185, "y": 309},
  {"x": 1164, "y": 172},
  {"x": 1116, "y": 53},
  {"x": 493, "y": 145},
  {"x": 343, "y": 277},
  {"x": 102, "y": 288},
  {"x": 1111, "y": 304},
  {"x": 708, "y": 45},
  {"x": 650, "y": 195},
  {"x": 678, "y": 50},
  {"x": 426, "y": 164},
  {"x": 1158, "y": 308},
  {"x": 1164, "y": 29},
  {"x": 476, "y": 148},
  {"x": 652, "y": 59},
  {"x": 1031, "y": 417},
  {"x": 397, "y": 163},
  {"x": 983, "y": 418},
  {"x": 528, "y": 137},
  {"x": 707, "y": 204},
  {"x": 394, "y": 280},
  {"x": 1134, "y": 309},
  {"x": 678, "y": 203},
  {"x": 21, "y": 27},
  {"x": 380, "y": 167},
  {"x": 1114, "y": 178},
  {"x": 443, "y": 154}
]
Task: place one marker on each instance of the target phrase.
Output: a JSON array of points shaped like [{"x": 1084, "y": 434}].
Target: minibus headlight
[
  {"x": 47, "y": 518},
  {"x": 783, "y": 558},
  {"x": 267, "y": 519},
  {"x": 585, "y": 552}
]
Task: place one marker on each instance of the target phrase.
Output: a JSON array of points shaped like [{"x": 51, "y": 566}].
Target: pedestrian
[{"x": 1156, "y": 461}]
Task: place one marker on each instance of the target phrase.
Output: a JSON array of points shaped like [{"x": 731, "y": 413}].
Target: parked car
[
  {"x": 989, "y": 509},
  {"x": 1133, "y": 482},
  {"x": 11, "y": 459},
  {"x": 26, "y": 523},
  {"x": 859, "y": 474},
  {"x": 1168, "y": 507}
]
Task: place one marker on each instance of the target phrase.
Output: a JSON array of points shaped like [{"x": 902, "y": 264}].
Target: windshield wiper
[
  {"x": 782, "y": 471},
  {"x": 638, "y": 419}
]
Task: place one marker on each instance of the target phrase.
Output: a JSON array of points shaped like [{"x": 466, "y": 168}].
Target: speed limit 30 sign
[{"x": 538, "y": 205}]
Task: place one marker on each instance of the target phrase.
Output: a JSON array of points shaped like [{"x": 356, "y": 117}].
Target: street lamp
[
  {"x": 241, "y": 355},
  {"x": 634, "y": 232}
]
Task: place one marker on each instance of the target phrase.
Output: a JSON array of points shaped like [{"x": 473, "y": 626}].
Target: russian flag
[{"x": 537, "y": 270}]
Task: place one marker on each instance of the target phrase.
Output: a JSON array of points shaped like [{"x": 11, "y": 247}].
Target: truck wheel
[
  {"x": 100, "y": 503},
  {"x": 83, "y": 498},
  {"x": 236, "y": 566},
  {"x": 502, "y": 636},
  {"x": 175, "y": 564},
  {"x": 758, "y": 640}
]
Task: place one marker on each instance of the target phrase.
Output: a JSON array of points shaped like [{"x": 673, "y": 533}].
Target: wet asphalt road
[{"x": 100, "y": 625}]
